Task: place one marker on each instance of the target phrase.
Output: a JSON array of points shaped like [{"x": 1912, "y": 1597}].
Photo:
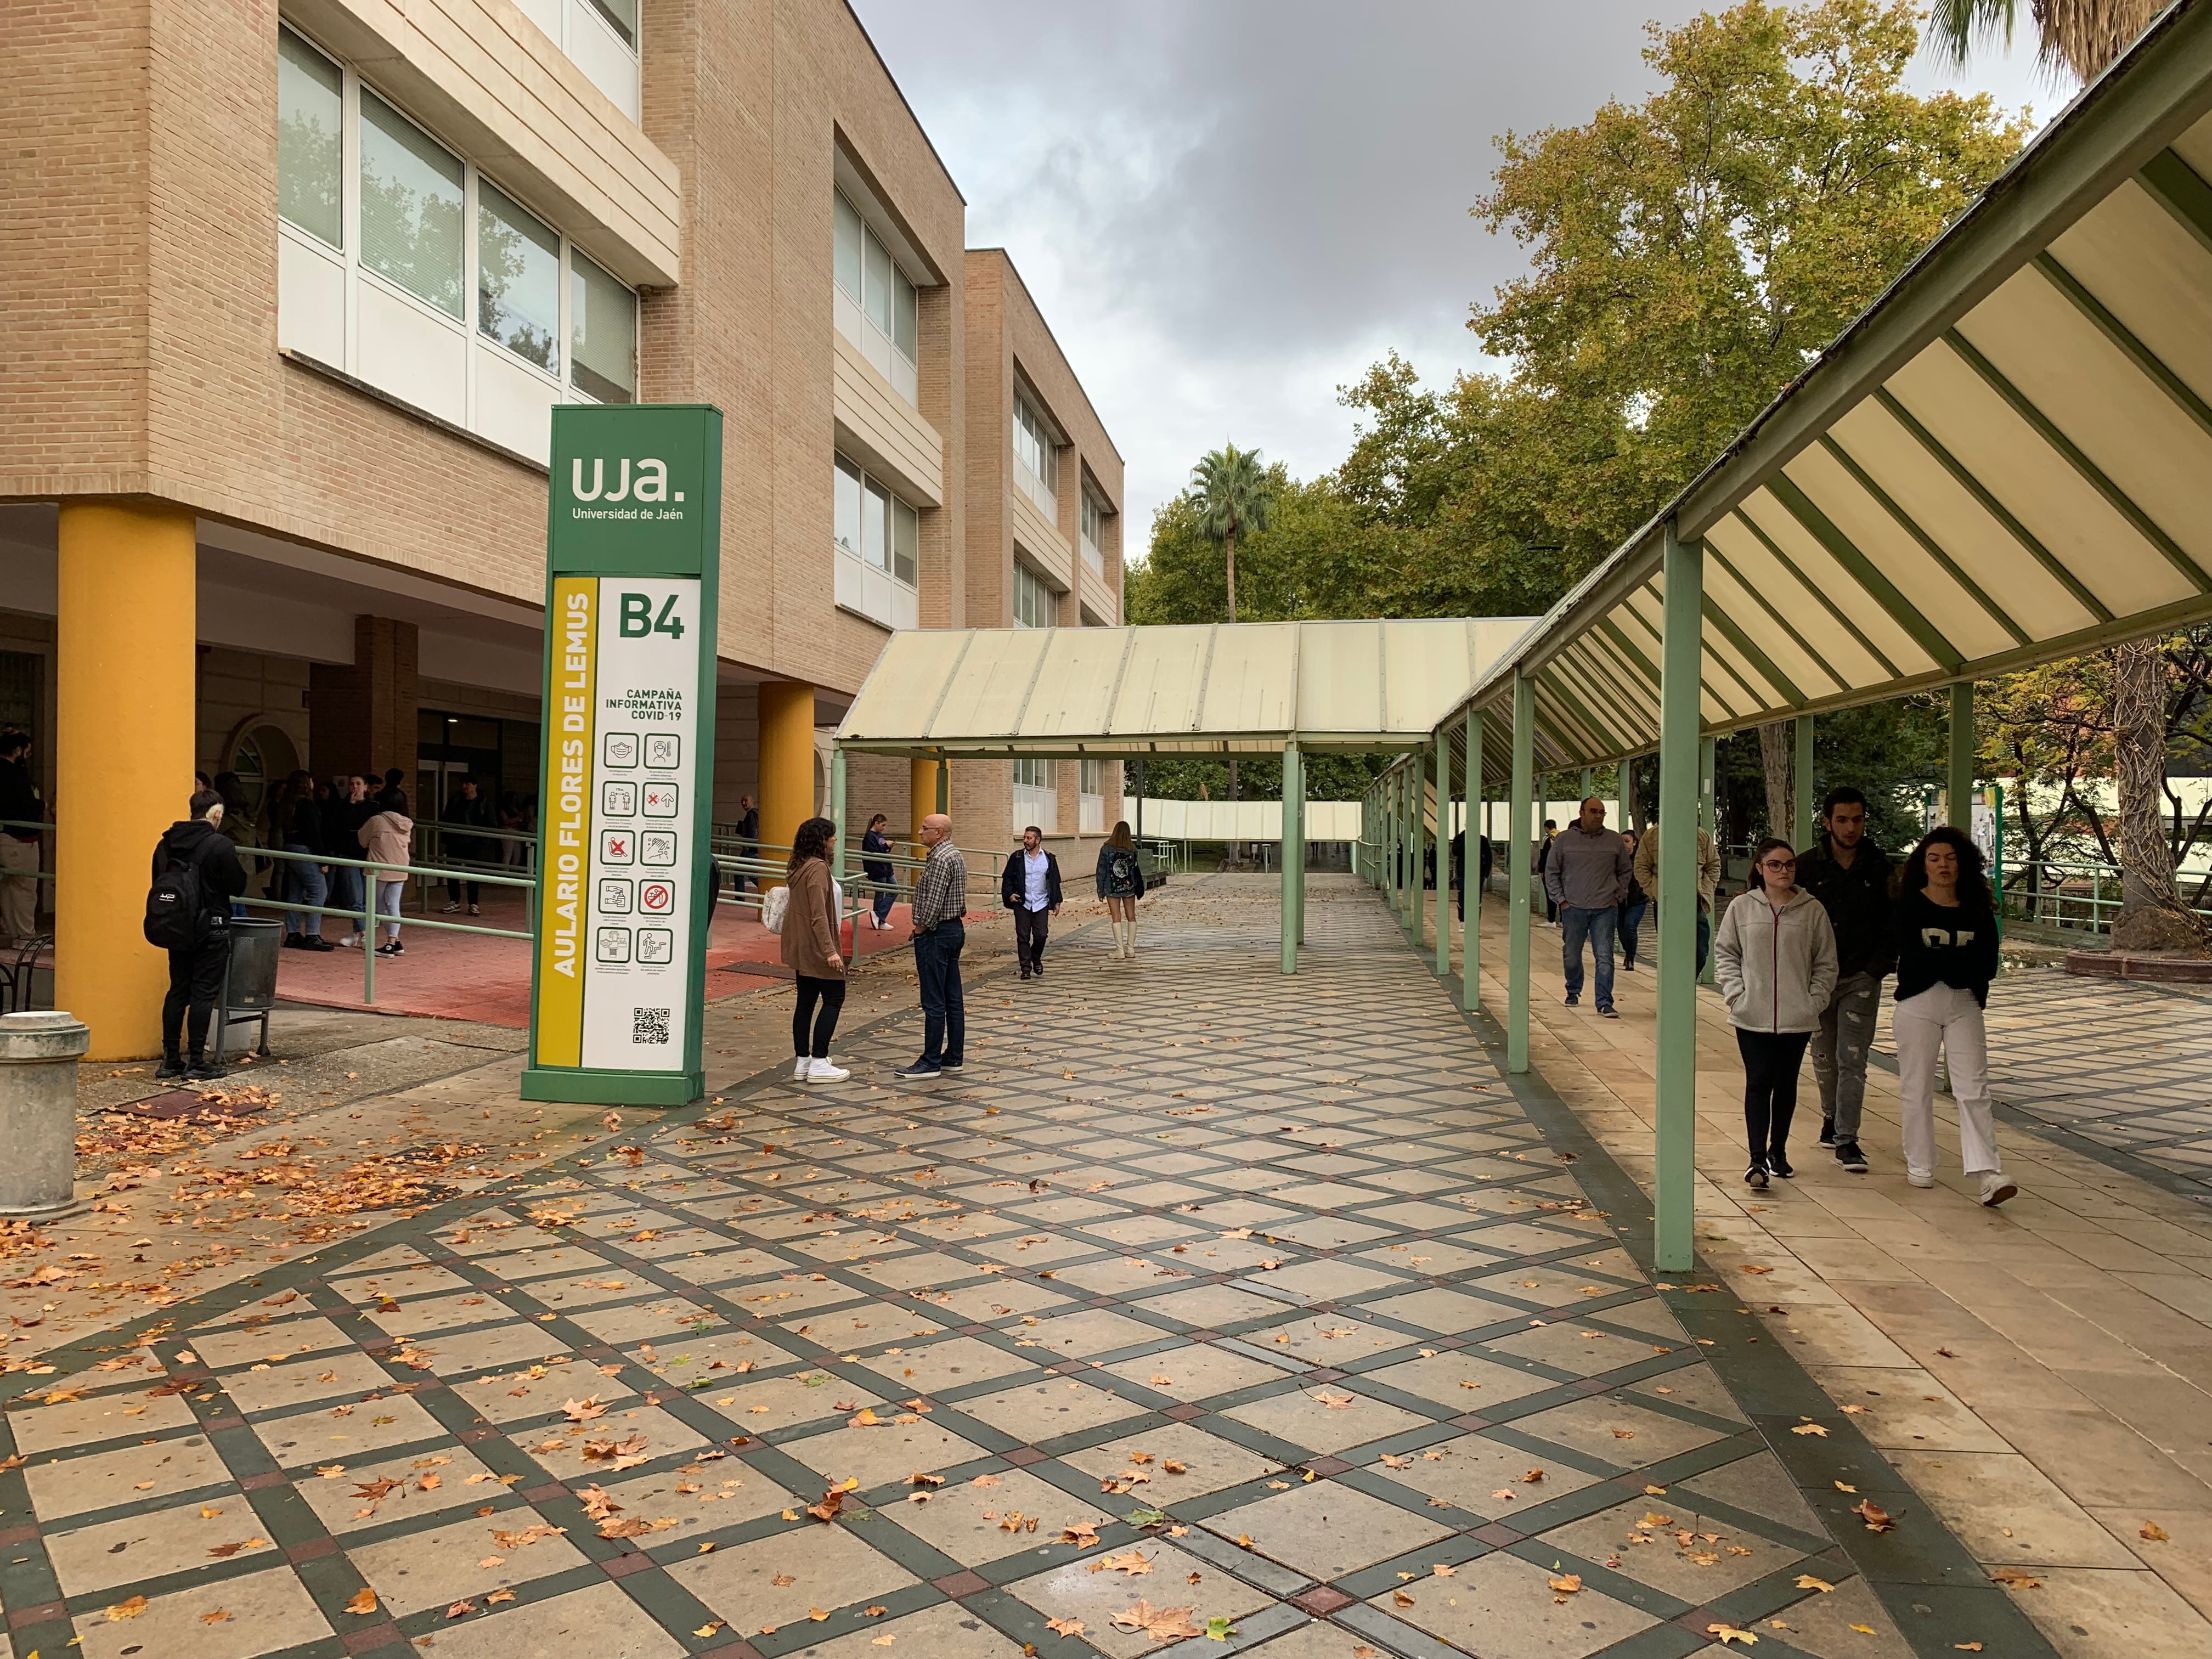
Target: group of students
[
  {"x": 1029, "y": 885},
  {"x": 1800, "y": 958}
]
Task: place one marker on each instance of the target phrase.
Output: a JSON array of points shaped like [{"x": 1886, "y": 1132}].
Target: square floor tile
[
  {"x": 1209, "y": 1462},
  {"x": 758, "y": 1406},
  {"x": 1718, "y": 1558},
  {"x": 599, "y": 1620},
  {"x": 1305, "y": 1419},
  {"x": 1073, "y": 1591},
  {"x": 977, "y": 1524},
  {"x": 1326, "y": 1530},
  {"x": 869, "y": 1324},
  {"x": 1483, "y": 1476},
  {"x": 826, "y": 1567},
  {"x": 1615, "y": 1431},
  {"x": 342, "y": 1506},
  {"x": 273, "y": 1343},
  {"x": 1036, "y": 1412},
  {"x": 179, "y": 1540},
  {"x": 445, "y": 1565},
  {"x": 1429, "y": 1256},
  {"x": 952, "y": 1362},
  {"x": 1324, "y": 1281},
  {"x": 1094, "y": 1331},
  {"x": 1499, "y": 1603},
  {"x": 133, "y": 1474},
  {"x": 346, "y": 1434},
  {"x": 513, "y": 1395},
  {"x": 1212, "y": 1306},
  {"x": 1460, "y": 1382},
  {"x": 574, "y": 1451},
  {"x": 1197, "y": 1372},
  {"x": 947, "y": 1630},
  {"x": 264, "y": 1611},
  {"x": 103, "y": 1416},
  {"x": 1446, "y": 1313},
  {"x": 877, "y": 1456},
  {"x": 1332, "y": 1339}
]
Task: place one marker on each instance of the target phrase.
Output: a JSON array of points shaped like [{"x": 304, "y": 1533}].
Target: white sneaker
[
  {"x": 453, "y": 909},
  {"x": 799, "y": 1067},
  {"x": 1920, "y": 1177},
  {"x": 821, "y": 1071},
  {"x": 350, "y": 942},
  {"x": 476, "y": 909},
  {"x": 1996, "y": 1189}
]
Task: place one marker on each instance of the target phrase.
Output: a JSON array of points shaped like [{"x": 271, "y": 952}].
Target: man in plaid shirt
[{"x": 940, "y": 900}]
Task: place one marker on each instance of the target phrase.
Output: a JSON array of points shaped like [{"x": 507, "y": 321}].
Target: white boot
[
  {"x": 821, "y": 1071},
  {"x": 1120, "y": 947},
  {"x": 1129, "y": 950}
]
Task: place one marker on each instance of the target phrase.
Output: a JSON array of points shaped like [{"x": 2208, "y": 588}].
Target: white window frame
[
  {"x": 357, "y": 275},
  {"x": 1090, "y": 798},
  {"x": 863, "y": 586},
  {"x": 881, "y": 347},
  {"x": 592, "y": 42},
  {"x": 1037, "y": 455},
  {"x": 1032, "y": 592},
  {"x": 1036, "y": 796},
  {"x": 1090, "y": 525}
]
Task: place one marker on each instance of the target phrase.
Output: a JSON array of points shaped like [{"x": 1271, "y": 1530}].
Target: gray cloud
[{"x": 1228, "y": 210}]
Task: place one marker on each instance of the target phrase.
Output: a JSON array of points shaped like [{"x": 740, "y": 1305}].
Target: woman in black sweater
[{"x": 1946, "y": 954}]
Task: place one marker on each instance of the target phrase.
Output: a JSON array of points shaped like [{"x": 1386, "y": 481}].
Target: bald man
[{"x": 940, "y": 900}]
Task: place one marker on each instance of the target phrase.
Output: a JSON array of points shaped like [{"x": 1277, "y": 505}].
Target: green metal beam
[
  {"x": 1294, "y": 850},
  {"x": 1708, "y": 813},
  {"x": 1714, "y": 555},
  {"x": 1470, "y": 870},
  {"x": 1959, "y": 803},
  {"x": 1676, "y": 1173},
  {"x": 1964, "y": 477},
  {"x": 1862, "y": 570},
  {"x": 2181, "y": 191},
  {"x": 1760, "y": 660},
  {"x": 2087, "y": 469},
  {"x": 1929, "y": 545},
  {"x": 1802, "y": 775},
  {"x": 1521, "y": 846},
  {"x": 1443, "y": 853}
]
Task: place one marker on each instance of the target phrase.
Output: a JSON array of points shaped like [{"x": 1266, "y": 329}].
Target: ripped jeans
[{"x": 1839, "y": 1051}]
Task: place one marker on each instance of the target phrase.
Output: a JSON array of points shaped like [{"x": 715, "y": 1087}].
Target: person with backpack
[
  {"x": 878, "y": 871},
  {"x": 1775, "y": 959},
  {"x": 196, "y": 875},
  {"x": 1029, "y": 887},
  {"x": 1121, "y": 884},
  {"x": 389, "y": 837},
  {"x": 811, "y": 951},
  {"x": 1945, "y": 929}
]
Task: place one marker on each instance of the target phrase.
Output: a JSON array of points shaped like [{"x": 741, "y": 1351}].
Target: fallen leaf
[
  {"x": 583, "y": 1410},
  {"x": 1865, "y": 1630},
  {"x": 1806, "y": 1581},
  {"x": 1877, "y": 1518},
  {"x": 2014, "y": 1579},
  {"x": 1161, "y": 1624},
  {"x": 502, "y": 1594},
  {"x": 1729, "y": 1633},
  {"x": 2152, "y": 1533},
  {"x": 363, "y": 1603},
  {"x": 1065, "y": 1626},
  {"x": 130, "y": 1609},
  {"x": 460, "y": 1609},
  {"x": 214, "y": 1618},
  {"x": 1568, "y": 1585},
  {"x": 1810, "y": 1428}
]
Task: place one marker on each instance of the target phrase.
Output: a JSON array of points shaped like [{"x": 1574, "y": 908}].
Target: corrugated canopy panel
[
  {"x": 2005, "y": 460},
  {"x": 1130, "y": 691}
]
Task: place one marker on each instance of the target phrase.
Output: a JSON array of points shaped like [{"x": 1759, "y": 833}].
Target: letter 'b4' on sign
[{"x": 633, "y": 558}]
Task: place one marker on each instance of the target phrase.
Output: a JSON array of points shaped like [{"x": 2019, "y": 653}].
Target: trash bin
[
  {"x": 249, "y": 979},
  {"x": 38, "y": 1053}
]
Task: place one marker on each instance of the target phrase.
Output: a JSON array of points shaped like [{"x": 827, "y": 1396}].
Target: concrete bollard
[{"x": 38, "y": 1053}]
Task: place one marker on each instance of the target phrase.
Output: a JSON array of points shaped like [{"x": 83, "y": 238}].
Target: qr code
[{"x": 648, "y": 1025}]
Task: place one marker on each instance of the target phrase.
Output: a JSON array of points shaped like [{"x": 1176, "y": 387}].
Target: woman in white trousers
[{"x": 1946, "y": 954}]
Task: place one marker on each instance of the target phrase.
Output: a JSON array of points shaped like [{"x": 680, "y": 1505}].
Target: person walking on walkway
[
  {"x": 1850, "y": 875},
  {"x": 468, "y": 808},
  {"x": 748, "y": 839},
  {"x": 1708, "y": 881},
  {"x": 1029, "y": 887},
  {"x": 810, "y": 950},
  {"x": 200, "y": 945},
  {"x": 1485, "y": 857},
  {"x": 1121, "y": 884},
  {"x": 1543, "y": 863},
  {"x": 389, "y": 836},
  {"x": 1585, "y": 877},
  {"x": 1633, "y": 905},
  {"x": 1776, "y": 962},
  {"x": 877, "y": 869},
  {"x": 18, "y": 846},
  {"x": 297, "y": 820},
  {"x": 940, "y": 901},
  {"x": 1945, "y": 934}
]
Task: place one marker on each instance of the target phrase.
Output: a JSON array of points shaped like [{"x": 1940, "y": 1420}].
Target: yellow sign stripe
[{"x": 565, "y": 872}]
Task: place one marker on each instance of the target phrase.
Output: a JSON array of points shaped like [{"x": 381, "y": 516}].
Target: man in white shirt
[{"x": 1029, "y": 887}]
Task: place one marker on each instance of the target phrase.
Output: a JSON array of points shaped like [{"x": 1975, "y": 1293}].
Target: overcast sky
[{"x": 1227, "y": 209}]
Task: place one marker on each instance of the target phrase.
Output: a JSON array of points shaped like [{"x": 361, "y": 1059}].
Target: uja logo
[{"x": 650, "y": 483}]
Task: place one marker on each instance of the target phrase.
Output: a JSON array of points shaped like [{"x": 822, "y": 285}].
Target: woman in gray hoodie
[{"x": 1776, "y": 963}]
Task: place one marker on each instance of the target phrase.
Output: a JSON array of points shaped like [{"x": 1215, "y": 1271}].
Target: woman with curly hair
[{"x": 1946, "y": 954}]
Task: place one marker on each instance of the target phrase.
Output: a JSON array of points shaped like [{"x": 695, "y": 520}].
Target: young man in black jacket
[
  {"x": 1029, "y": 887},
  {"x": 195, "y": 975},
  {"x": 1850, "y": 875}
]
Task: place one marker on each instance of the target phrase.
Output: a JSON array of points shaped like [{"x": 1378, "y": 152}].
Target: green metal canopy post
[
  {"x": 1294, "y": 874},
  {"x": 1589, "y": 786},
  {"x": 1708, "y": 816},
  {"x": 1470, "y": 870},
  {"x": 1802, "y": 773},
  {"x": 1417, "y": 849},
  {"x": 1959, "y": 808},
  {"x": 1682, "y": 662},
  {"x": 1519, "y": 849},
  {"x": 1443, "y": 852}
]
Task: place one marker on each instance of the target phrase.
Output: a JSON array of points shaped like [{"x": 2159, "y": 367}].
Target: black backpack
[{"x": 176, "y": 909}]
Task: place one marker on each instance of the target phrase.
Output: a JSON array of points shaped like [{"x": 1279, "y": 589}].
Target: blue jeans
[
  {"x": 345, "y": 894},
  {"x": 1576, "y": 924},
  {"x": 944, "y": 1015},
  {"x": 1632, "y": 917},
  {"x": 303, "y": 884},
  {"x": 886, "y": 896}
]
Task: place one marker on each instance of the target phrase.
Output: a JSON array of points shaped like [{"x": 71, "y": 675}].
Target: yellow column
[
  {"x": 786, "y": 762},
  {"x": 921, "y": 788},
  {"x": 126, "y": 688}
]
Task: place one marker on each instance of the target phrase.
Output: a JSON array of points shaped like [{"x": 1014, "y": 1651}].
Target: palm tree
[
  {"x": 1235, "y": 495},
  {"x": 2083, "y": 37}
]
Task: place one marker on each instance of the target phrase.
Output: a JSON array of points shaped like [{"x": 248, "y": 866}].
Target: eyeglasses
[{"x": 1777, "y": 864}]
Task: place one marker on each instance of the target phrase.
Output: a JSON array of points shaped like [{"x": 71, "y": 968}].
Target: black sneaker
[
  {"x": 1828, "y": 1132},
  {"x": 920, "y": 1071},
  {"x": 1609, "y": 1013},
  {"x": 1849, "y": 1157},
  {"x": 1571, "y": 1001},
  {"x": 1025, "y": 973},
  {"x": 315, "y": 942},
  {"x": 1755, "y": 1176},
  {"x": 171, "y": 1068},
  {"x": 950, "y": 1066},
  {"x": 201, "y": 1071},
  {"x": 1777, "y": 1164}
]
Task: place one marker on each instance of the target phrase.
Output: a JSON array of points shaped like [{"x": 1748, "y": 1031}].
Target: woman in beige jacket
[
  {"x": 811, "y": 951},
  {"x": 1776, "y": 963},
  {"x": 389, "y": 840}
]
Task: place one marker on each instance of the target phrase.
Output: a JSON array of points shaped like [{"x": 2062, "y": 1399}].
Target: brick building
[{"x": 289, "y": 289}]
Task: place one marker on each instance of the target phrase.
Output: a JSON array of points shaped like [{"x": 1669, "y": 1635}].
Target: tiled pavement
[{"x": 1201, "y": 1289}]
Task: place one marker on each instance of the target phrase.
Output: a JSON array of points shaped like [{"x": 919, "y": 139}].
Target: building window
[
  {"x": 1036, "y": 796},
  {"x": 1090, "y": 807},
  {"x": 877, "y": 301},
  {"x": 879, "y": 543},
  {"x": 600, "y": 36},
  {"x": 412, "y": 192},
  {"x": 518, "y": 279},
  {"x": 1036, "y": 605},
  {"x": 1093, "y": 536},
  {"x": 310, "y": 131},
  {"x": 602, "y": 334},
  {"x": 1037, "y": 457},
  {"x": 379, "y": 276},
  {"x": 1034, "y": 773}
]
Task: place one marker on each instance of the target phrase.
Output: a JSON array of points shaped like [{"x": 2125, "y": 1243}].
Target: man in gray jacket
[{"x": 1587, "y": 876}]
